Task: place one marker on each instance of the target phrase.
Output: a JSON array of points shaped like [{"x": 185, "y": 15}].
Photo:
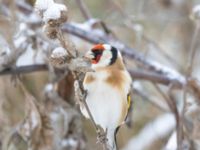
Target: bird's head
[{"x": 102, "y": 55}]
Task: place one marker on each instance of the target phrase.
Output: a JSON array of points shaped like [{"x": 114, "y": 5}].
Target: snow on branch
[
  {"x": 158, "y": 128},
  {"x": 51, "y": 10},
  {"x": 127, "y": 51},
  {"x": 86, "y": 32}
]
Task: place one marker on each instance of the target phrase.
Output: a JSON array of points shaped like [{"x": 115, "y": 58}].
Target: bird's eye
[{"x": 97, "y": 52}]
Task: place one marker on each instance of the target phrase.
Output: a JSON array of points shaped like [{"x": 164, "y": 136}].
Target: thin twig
[
  {"x": 172, "y": 104},
  {"x": 126, "y": 51},
  {"x": 162, "y": 51},
  {"x": 156, "y": 102},
  {"x": 84, "y": 10},
  {"x": 61, "y": 38},
  {"x": 192, "y": 52},
  {"x": 129, "y": 24},
  {"x": 154, "y": 77},
  {"x": 87, "y": 15},
  {"x": 189, "y": 70}
]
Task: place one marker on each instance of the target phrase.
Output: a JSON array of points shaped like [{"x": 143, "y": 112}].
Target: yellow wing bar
[{"x": 129, "y": 100}]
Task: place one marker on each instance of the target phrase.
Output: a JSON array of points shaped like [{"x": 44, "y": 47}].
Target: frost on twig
[
  {"x": 91, "y": 26},
  {"x": 66, "y": 57}
]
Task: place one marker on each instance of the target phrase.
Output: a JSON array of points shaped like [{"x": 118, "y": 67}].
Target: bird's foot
[{"x": 101, "y": 137}]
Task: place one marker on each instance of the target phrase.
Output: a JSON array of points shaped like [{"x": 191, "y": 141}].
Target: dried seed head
[
  {"x": 59, "y": 21},
  {"x": 59, "y": 52},
  {"x": 58, "y": 57},
  {"x": 50, "y": 32},
  {"x": 54, "y": 12}
]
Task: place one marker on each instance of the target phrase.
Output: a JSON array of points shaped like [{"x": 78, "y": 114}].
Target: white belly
[{"x": 105, "y": 104}]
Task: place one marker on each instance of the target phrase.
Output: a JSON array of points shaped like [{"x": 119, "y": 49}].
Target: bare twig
[
  {"x": 162, "y": 51},
  {"x": 84, "y": 10},
  {"x": 61, "y": 38},
  {"x": 192, "y": 51},
  {"x": 155, "y": 101},
  {"x": 154, "y": 77},
  {"x": 136, "y": 74},
  {"x": 126, "y": 51},
  {"x": 172, "y": 104},
  {"x": 189, "y": 69},
  {"x": 87, "y": 15},
  {"x": 24, "y": 69}
]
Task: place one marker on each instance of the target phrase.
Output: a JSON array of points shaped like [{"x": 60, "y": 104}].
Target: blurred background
[{"x": 159, "y": 30}]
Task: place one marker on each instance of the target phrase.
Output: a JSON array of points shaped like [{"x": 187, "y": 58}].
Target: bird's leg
[{"x": 101, "y": 136}]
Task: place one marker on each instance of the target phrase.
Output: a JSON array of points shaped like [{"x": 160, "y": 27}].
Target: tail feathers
[{"x": 112, "y": 141}]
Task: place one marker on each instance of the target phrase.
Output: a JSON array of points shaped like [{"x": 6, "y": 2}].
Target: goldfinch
[{"x": 108, "y": 90}]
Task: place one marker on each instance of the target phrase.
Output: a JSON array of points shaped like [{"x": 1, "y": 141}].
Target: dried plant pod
[
  {"x": 58, "y": 57},
  {"x": 57, "y": 22},
  {"x": 54, "y": 12},
  {"x": 50, "y": 32}
]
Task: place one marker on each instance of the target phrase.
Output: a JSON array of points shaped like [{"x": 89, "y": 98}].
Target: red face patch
[
  {"x": 98, "y": 47},
  {"x": 97, "y": 51},
  {"x": 96, "y": 60}
]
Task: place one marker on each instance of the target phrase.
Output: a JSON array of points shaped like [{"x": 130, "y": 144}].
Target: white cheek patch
[
  {"x": 105, "y": 59},
  {"x": 107, "y": 55},
  {"x": 107, "y": 47}
]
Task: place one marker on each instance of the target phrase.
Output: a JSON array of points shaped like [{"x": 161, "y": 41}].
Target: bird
[{"x": 108, "y": 89}]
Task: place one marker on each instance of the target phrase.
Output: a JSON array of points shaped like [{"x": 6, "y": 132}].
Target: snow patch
[
  {"x": 172, "y": 143},
  {"x": 89, "y": 27},
  {"x": 54, "y": 12},
  {"x": 69, "y": 142},
  {"x": 48, "y": 88},
  {"x": 43, "y": 4},
  {"x": 172, "y": 74},
  {"x": 31, "y": 57},
  {"x": 59, "y": 52}
]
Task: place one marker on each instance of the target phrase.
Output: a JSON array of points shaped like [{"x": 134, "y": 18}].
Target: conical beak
[{"x": 89, "y": 55}]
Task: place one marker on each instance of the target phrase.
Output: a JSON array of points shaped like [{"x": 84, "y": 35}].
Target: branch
[
  {"x": 172, "y": 104},
  {"x": 84, "y": 10},
  {"x": 24, "y": 69},
  {"x": 169, "y": 75},
  {"x": 136, "y": 74},
  {"x": 154, "y": 77},
  {"x": 126, "y": 51}
]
